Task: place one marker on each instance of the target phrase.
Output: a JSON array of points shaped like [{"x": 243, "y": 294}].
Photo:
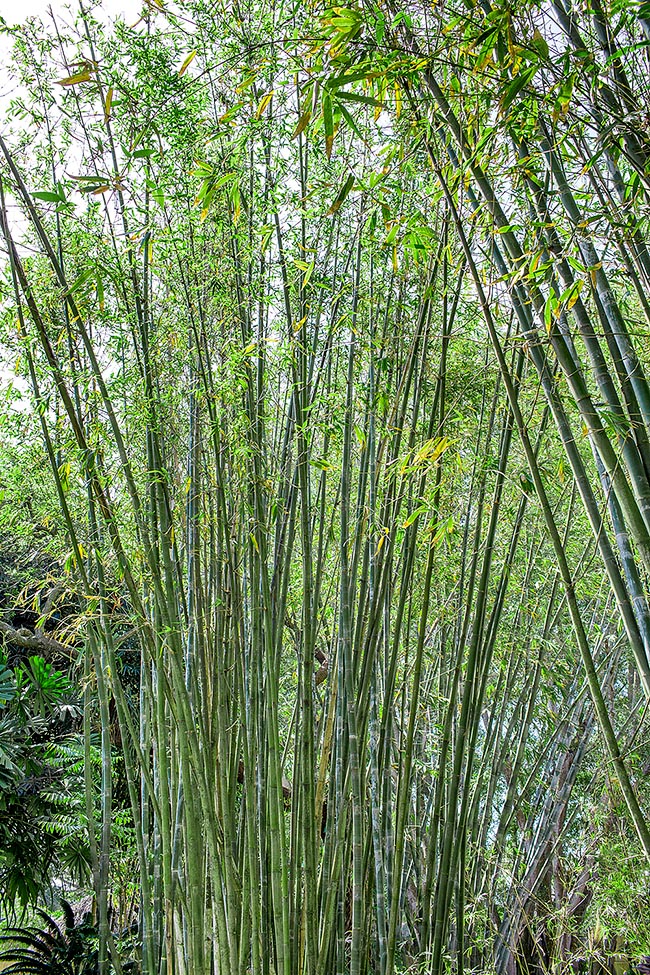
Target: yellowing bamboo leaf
[
  {"x": 443, "y": 528},
  {"x": 298, "y": 325},
  {"x": 308, "y": 274},
  {"x": 432, "y": 450},
  {"x": 107, "y": 104},
  {"x": 550, "y": 306},
  {"x": 414, "y": 515},
  {"x": 186, "y": 63},
  {"x": 577, "y": 287},
  {"x": 264, "y": 104},
  {"x": 303, "y": 122},
  {"x": 75, "y": 79},
  {"x": 321, "y": 464},
  {"x": 593, "y": 272},
  {"x": 246, "y": 83}
]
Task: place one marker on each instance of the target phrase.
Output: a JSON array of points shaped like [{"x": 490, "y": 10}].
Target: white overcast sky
[{"x": 15, "y": 11}]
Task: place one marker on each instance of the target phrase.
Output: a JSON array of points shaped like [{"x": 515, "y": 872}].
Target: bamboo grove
[{"x": 331, "y": 329}]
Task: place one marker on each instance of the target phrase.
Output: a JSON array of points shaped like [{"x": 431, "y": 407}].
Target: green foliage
[
  {"x": 284, "y": 277},
  {"x": 64, "y": 946},
  {"x": 36, "y": 784},
  {"x": 617, "y": 911},
  {"x": 7, "y": 685}
]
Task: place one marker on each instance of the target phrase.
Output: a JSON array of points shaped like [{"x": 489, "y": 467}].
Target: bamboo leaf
[
  {"x": 75, "y": 79},
  {"x": 415, "y": 515},
  {"x": 540, "y": 44},
  {"x": 342, "y": 194},
  {"x": 569, "y": 297},
  {"x": 246, "y": 83},
  {"x": 48, "y": 197},
  {"x": 519, "y": 83},
  {"x": 264, "y": 104},
  {"x": 107, "y": 105},
  {"x": 350, "y": 96},
  {"x": 158, "y": 195},
  {"x": 186, "y": 63},
  {"x": 346, "y": 78},
  {"x": 308, "y": 274},
  {"x": 82, "y": 279},
  {"x": 351, "y": 122},
  {"x": 328, "y": 122},
  {"x": 303, "y": 122}
]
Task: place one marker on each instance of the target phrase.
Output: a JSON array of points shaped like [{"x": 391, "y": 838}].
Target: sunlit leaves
[
  {"x": 342, "y": 24},
  {"x": 428, "y": 454},
  {"x": 211, "y": 183}
]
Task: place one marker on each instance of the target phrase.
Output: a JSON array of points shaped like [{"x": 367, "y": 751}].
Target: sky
[{"x": 15, "y": 11}]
